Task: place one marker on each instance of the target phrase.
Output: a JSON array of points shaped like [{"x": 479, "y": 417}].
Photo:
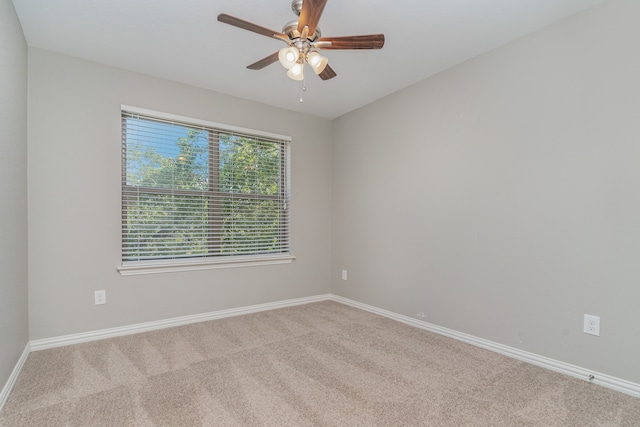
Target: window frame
[{"x": 210, "y": 261}]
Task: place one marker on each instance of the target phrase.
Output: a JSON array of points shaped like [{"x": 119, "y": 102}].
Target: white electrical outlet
[
  {"x": 591, "y": 325},
  {"x": 100, "y": 297},
  {"x": 344, "y": 274}
]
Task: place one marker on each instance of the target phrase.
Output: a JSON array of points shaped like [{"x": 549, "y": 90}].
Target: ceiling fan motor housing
[{"x": 291, "y": 30}]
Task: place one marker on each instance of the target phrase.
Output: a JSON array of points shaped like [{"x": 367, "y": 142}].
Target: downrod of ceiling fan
[{"x": 296, "y": 6}]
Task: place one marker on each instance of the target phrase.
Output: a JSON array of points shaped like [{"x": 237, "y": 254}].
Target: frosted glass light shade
[
  {"x": 288, "y": 56},
  {"x": 296, "y": 72},
  {"x": 317, "y": 62}
]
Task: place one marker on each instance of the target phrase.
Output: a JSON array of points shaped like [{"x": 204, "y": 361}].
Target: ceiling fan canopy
[{"x": 303, "y": 38}]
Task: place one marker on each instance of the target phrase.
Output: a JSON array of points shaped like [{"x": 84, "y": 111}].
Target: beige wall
[
  {"x": 74, "y": 201},
  {"x": 502, "y": 197},
  {"x": 14, "y": 333}
]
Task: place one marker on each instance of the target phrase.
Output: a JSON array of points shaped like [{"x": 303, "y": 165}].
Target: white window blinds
[{"x": 194, "y": 191}]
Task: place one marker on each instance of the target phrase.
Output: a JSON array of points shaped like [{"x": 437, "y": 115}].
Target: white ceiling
[{"x": 182, "y": 40}]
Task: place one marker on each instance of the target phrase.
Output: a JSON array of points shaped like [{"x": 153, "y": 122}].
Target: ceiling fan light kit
[
  {"x": 288, "y": 56},
  {"x": 303, "y": 38},
  {"x": 293, "y": 56},
  {"x": 317, "y": 61},
  {"x": 296, "y": 72}
]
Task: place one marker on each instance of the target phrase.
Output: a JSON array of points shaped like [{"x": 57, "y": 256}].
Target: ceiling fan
[{"x": 303, "y": 39}]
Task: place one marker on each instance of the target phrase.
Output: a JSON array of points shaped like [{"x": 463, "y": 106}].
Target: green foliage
[
  {"x": 250, "y": 226},
  {"x": 161, "y": 225},
  {"x": 238, "y": 214},
  {"x": 188, "y": 171},
  {"x": 248, "y": 166}
]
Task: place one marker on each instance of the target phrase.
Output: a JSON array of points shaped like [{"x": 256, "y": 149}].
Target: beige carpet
[{"x": 321, "y": 364}]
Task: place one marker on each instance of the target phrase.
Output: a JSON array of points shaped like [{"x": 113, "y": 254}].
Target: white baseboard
[
  {"x": 604, "y": 380},
  {"x": 6, "y": 390},
  {"x": 168, "y": 323}
]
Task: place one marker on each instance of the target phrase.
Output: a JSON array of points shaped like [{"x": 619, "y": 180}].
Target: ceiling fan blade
[
  {"x": 259, "y": 65},
  {"x": 246, "y": 25},
  {"x": 371, "y": 41},
  {"x": 327, "y": 73},
  {"x": 310, "y": 15}
]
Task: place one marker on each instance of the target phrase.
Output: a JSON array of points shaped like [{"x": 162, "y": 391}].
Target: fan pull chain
[{"x": 304, "y": 89}]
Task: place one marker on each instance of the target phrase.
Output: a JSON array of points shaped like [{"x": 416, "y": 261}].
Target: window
[{"x": 199, "y": 195}]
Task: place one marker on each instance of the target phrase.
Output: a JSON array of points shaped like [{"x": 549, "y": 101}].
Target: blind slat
[{"x": 196, "y": 191}]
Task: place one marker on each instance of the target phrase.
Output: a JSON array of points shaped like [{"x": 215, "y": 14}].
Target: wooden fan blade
[
  {"x": 371, "y": 41},
  {"x": 259, "y": 65},
  {"x": 327, "y": 73},
  {"x": 246, "y": 25},
  {"x": 310, "y": 15}
]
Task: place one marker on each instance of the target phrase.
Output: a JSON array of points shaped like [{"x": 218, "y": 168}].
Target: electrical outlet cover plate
[
  {"x": 100, "y": 297},
  {"x": 592, "y": 325}
]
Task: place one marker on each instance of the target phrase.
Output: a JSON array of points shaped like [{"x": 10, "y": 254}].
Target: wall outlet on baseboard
[
  {"x": 592, "y": 325},
  {"x": 100, "y": 297}
]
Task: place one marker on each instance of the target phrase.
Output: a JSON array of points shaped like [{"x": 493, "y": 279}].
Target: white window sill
[{"x": 171, "y": 266}]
